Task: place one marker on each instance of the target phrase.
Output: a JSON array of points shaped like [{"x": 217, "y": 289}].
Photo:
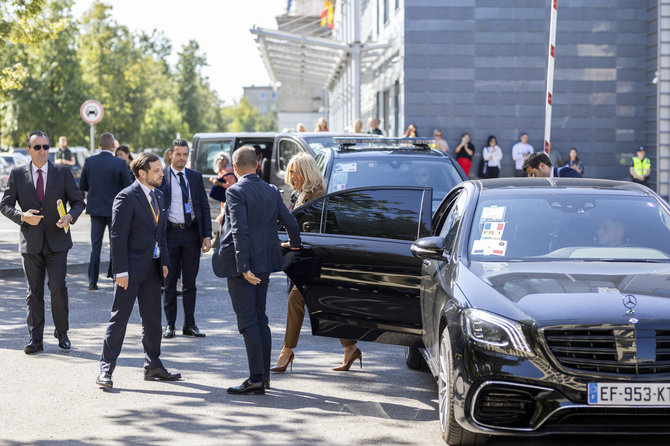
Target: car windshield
[
  {"x": 317, "y": 143},
  {"x": 584, "y": 227},
  {"x": 388, "y": 170}
]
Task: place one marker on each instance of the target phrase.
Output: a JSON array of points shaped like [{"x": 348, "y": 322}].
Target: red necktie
[{"x": 40, "y": 185}]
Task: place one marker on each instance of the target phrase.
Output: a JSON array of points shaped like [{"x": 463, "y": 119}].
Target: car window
[
  {"x": 385, "y": 213},
  {"x": 391, "y": 170},
  {"x": 287, "y": 149},
  {"x": 309, "y": 217},
  {"x": 565, "y": 226},
  {"x": 207, "y": 151},
  {"x": 322, "y": 162},
  {"x": 452, "y": 222}
]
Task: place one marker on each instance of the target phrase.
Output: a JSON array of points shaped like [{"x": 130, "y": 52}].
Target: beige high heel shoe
[
  {"x": 283, "y": 357},
  {"x": 348, "y": 362}
]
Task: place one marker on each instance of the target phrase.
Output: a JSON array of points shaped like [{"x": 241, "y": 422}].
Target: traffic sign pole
[
  {"x": 92, "y": 136},
  {"x": 91, "y": 112},
  {"x": 550, "y": 75}
]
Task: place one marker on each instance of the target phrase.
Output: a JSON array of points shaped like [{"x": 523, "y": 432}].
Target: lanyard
[{"x": 152, "y": 210}]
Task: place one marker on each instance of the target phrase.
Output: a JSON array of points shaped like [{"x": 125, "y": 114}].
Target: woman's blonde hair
[
  {"x": 219, "y": 159},
  {"x": 306, "y": 166}
]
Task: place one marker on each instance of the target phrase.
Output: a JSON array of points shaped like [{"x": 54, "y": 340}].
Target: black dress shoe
[
  {"x": 33, "y": 347},
  {"x": 104, "y": 379},
  {"x": 93, "y": 287},
  {"x": 160, "y": 374},
  {"x": 63, "y": 340},
  {"x": 192, "y": 331},
  {"x": 247, "y": 387},
  {"x": 168, "y": 332}
]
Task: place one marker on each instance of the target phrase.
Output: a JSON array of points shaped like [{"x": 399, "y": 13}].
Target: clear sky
[{"x": 221, "y": 27}]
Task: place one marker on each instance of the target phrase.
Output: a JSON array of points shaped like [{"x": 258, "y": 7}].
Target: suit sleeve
[
  {"x": 237, "y": 211},
  {"x": 122, "y": 216},
  {"x": 205, "y": 212},
  {"x": 74, "y": 197},
  {"x": 8, "y": 202},
  {"x": 126, "y": 177},
  {"x": 287, "y": 219},
  {"x": 83, "y": 179},
  {"x": 162, "y": 241}
]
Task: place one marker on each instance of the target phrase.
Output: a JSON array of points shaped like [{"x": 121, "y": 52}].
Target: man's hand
[
  {"x": 165, "y": 271},
  {"x": 31, "y": 218},
  {"x": 64, "y": 221},
  {"x": 122, "y": 282},
  {"x": 206, "y": 244},
  {"x": 288, "y": 245},
  {"x": 251, "y": 278}
]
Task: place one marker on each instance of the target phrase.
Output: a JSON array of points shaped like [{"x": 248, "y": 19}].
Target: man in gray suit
[
  {"x": 44, "y": 241},
  {"x": 256, "y": 254}
]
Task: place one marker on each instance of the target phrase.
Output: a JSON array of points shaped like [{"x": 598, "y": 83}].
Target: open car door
[{"x": 356, "y": 271}]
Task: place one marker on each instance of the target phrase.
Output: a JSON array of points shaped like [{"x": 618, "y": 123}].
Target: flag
[{"x": 328, "y": 14}]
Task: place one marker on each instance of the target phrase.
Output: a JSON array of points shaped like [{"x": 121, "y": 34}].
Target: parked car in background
[
  {"x": 15, "y": 159},
  {"x": 541, "y": 306},
  {"x": 80, "y": 154},
  {"x": 5, "y": 169},
  {"x": 372, "y": 161}
]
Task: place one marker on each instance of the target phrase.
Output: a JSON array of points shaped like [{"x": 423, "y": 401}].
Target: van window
[
  {"x": 287, "y": 149},
  {"x": 207, "y": 151}
]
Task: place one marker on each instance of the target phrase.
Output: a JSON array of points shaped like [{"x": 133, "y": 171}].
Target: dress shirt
[
  {"x": 44, "y": 175},
  {"x": 176, "y": 213}
]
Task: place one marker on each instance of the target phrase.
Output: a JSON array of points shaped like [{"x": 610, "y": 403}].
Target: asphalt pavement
[{"x": 51, "y": 398}]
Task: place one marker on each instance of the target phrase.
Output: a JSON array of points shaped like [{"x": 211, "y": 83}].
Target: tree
[
  {"x": 244, "y": 117},
  {"x": 162, "y": 122}
]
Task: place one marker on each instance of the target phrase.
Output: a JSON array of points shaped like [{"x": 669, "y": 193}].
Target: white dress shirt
[{"x": 176, "y": 213}]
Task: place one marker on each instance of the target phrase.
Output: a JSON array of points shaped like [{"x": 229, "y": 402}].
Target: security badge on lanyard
[{"x": 157, "y": 250}]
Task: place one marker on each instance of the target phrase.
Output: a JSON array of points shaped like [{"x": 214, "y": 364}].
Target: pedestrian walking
[
  {"x": 303, "y": 175},
  {"x": 39, "y": 187},
  {"x": 640, "y": 167},
  {"x": 139, "y": 264},
  {"x": 521, "y": 151},
  {"x": 248, "y": 253},
  {"x": 189, "y": 232},
  {"x": 103, "y": 176}
]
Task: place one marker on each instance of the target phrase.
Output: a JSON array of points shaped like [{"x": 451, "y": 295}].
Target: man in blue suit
[
  {"x": 103, "y": 176},
  {"x": 539, "y": 165},
  {"x": 139, "y": 263},
  {"x": 44, "y": 244},
  {"x": 189, "y": 232},
  {"x": 257, "y": 253}
]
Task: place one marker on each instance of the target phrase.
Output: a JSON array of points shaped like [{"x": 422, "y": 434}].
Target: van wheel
[{"x": 452, "y": 432}]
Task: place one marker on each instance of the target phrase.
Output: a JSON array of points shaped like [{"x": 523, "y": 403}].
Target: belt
[{"x": 181, "y": 225}]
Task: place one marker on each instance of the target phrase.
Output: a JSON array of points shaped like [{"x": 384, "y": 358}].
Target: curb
[{"x": 72, "y": 268}]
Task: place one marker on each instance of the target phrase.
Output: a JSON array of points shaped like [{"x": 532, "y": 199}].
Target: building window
[
  {"x": 397, "y": 4},
  {"x": 386, "y": 11},
  {"x": 262, "y": 95}
]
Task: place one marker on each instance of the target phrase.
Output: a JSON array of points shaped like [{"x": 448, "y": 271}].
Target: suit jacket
[
  {"x": 252, "y": 244},
  {"x": 103, "y": 176},
  {"x": 199, "y": 199},
  {"x": 566, "y": 172},
  {"x": 135, "y": 233},
  {"x": 21, "y": 188}
]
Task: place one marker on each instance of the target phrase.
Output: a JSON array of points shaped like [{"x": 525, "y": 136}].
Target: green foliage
[{"x": 51, "y": 63}]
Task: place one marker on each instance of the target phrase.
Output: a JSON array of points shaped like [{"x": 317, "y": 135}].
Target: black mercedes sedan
[{"x": 541, "y": 306}]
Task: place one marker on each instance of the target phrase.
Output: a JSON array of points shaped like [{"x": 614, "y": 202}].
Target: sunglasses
[{"x": 42, "y": 147}]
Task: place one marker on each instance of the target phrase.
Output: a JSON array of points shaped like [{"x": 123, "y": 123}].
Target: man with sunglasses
[{"x": 44, "y": 236}]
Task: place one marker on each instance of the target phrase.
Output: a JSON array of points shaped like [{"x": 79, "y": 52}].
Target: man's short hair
[
  {"x": 107, "y": 141},
  {"x": 178, "y": 143},
  {"x": 534, "y": 159},
  {"x": 523, "y": 134},
  {"x": 36, "y": 133},
  {"x": 142, "y": 162},
  {"x": 245, "y": 157}
]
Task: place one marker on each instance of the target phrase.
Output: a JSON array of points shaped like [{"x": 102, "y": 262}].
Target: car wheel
[
  {"x": 452, "y": 432},
  {"x": 414, "y": 359}
]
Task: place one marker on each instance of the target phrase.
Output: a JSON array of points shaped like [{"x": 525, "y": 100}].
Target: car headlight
[{"x": 496, "y": 333}]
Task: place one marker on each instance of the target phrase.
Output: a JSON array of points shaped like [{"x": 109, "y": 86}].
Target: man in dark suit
[
  {"x": 256, "y": 254},
  {"x": 140, "y": 262},
  {"x": 103, "y": 176},
  {"x": 44, "y": 239},
  {"x": 538, "y": 164},
  {"x": 189, "y": 231}
]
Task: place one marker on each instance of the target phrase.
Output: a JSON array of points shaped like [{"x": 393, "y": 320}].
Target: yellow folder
[{"x": 61, "y": 212}]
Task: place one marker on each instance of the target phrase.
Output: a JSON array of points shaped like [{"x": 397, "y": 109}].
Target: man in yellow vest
[{"x": 640, "y": 167}]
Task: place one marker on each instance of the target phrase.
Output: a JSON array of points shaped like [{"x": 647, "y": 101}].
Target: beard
[{"x": 153, "y": 182}]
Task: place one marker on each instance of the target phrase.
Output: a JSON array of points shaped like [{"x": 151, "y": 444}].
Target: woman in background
[
  {"x": 225, "y": 178},
  {"x": 123, "y": 152},
  {"x": 492, "y": 156},
  {"x": 574, "y": 162},
  {"x": 321, "y": 125},
  {"x": 411, "y": 131},
  {"x": 464, "y": 152},
  {"x": 303, "y": 175}
]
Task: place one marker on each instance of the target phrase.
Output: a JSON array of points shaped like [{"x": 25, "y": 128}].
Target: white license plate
[{"x": 629, "y": 394}]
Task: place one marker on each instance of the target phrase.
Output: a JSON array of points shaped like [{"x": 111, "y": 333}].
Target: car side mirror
[{"x": 429, "y": 248}]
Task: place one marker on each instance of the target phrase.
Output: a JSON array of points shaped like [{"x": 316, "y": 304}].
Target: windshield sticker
[
  {"x": 493, "y": 230},
  {"x": 489, "y": 247},
  {"x": 493, "y": 213},
  {"x": 339, "y": 187},
  {"x": 348, "y": 167},
  {"x": 494, "y": 268}
]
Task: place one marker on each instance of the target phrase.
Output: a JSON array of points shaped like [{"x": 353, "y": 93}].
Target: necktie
[
  {"x": 40, "y": 185},
  {"x": 154, "y": 204},
  {"x": 184, "y": 198}
]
